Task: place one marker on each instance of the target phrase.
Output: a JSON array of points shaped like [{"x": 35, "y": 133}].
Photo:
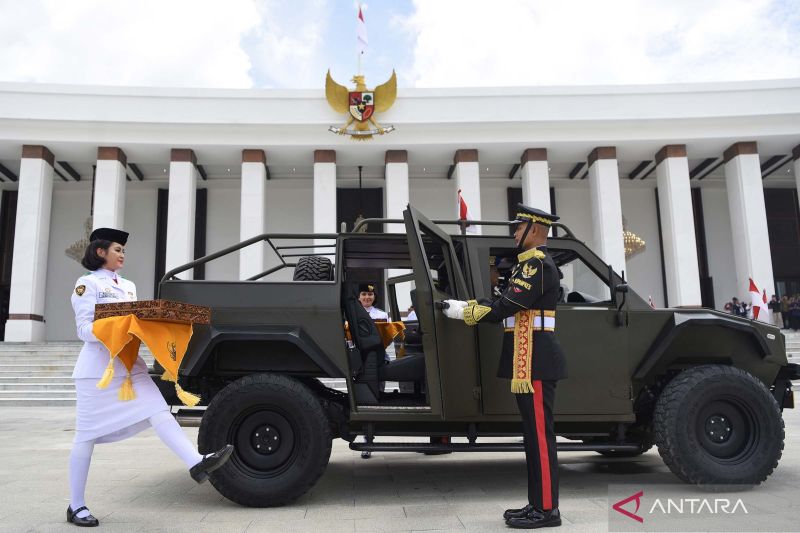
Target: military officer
[
  {"x": 366, "y": 295},
  {"x": 533, "y": 361}
]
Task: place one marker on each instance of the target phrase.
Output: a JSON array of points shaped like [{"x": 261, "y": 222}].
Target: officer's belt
[{"x": 542, "y": 319}]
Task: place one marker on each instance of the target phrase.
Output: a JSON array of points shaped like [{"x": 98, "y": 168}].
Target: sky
[{"x": 290, "y": 44}]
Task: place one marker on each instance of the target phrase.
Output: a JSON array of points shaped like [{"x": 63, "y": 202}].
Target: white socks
[
  {"x": 171, "y": 434},
  {"x": 79, "y": 460}
]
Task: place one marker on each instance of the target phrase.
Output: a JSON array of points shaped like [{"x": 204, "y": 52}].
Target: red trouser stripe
[{"x": 541, "y": 437}]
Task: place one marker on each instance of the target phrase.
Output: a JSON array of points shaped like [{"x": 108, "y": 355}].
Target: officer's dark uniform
[{"x": 531, "y": 358}]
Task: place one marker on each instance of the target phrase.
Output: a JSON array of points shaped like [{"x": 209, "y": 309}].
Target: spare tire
[{"x": 313, "y": 268}]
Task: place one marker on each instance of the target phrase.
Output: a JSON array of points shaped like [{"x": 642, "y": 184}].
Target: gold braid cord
[
  {"x": 529, "y": 254},
  {"x": 474, "y": 312},
  {"x": 523, "y": 352}
]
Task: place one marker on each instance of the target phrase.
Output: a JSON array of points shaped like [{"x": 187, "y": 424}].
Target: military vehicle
[{"x": 706, "y": 388}]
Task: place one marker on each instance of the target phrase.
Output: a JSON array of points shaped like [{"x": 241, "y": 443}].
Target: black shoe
[
  {"x": 201, "y": 470},
  {"x": 366, "y": 454},
  {"x": 86, "y": 521},
  {"x": 536, "y": 519},
  {"x": 518, "y": 513}
]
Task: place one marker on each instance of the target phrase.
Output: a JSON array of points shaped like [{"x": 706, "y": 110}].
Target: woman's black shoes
[
  {"x": 518, "y": 513},
  {"x": 201, "y": 470},
  {"x": 86, "y": 521}
]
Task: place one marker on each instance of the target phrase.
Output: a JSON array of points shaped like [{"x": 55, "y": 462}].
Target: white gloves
[{"x": 455, "y": 309}]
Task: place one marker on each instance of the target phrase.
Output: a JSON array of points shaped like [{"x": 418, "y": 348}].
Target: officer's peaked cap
[
  {"x": 366, "y": 287},
  {"x": 525, "y": 214},
  {"x": 109, "y": 234}
]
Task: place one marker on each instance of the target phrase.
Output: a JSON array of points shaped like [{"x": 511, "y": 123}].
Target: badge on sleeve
[{"x": 80, "y": 289}]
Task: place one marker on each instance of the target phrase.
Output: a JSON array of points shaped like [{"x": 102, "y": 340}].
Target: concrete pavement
[{"x": 138, "y": 485}]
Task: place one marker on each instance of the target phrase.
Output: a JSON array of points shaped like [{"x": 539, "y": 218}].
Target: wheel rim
[
  {"x": 728, "y": 431},
  {"x": 265, "y": 439}
]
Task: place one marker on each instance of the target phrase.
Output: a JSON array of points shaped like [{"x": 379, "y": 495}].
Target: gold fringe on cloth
[
  {"x": 108, "y": 375},
  {"x": 123, "y": 335},
  {"x": 126, "y": 390},
  {"x": 187, "y": 398}
]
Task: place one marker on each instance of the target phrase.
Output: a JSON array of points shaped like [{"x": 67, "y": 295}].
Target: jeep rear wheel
[
  {"x": 313, "y": 268},
  {"x": 718, "y": 425},
  {"x": 281, "y": 435}
]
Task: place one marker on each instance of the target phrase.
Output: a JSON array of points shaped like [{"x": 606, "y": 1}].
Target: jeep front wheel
[
  {"x": 281, "y": 436},
  {"x": 718, "y": 425}
]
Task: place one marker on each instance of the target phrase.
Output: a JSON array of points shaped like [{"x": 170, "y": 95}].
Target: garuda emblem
[{"x": 362, "y": 104}]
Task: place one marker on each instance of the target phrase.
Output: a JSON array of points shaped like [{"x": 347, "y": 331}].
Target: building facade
[{"x": 691, "y": 190}]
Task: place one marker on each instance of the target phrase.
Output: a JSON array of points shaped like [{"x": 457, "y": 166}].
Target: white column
[
  {"x": 751, "y": 251},
  {"x": 677, "y": 227},
  {"x": 325, "y": 196},
  {"x": 181, "y": 210},
  {"x": 395, "y": 190},
  {"x": 606, "y": 206},
  {"x": 109, "y": 188},
  {"x": 467, "y": 179},
  {"x": 31, "y": 240},
  {"x": 536, "y": 179},
  {"x": 252, "y": 218}
]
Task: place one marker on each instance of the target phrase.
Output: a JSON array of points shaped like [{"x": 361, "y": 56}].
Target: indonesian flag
[
  {"x": 759, "y": 303},
  {"x": 361, "y": 32},
  {"x": 650, "y": 301},
  {"x": 463, "y": 212}
]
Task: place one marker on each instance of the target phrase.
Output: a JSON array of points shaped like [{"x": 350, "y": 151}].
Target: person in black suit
[{"x": 534, "y": 360}]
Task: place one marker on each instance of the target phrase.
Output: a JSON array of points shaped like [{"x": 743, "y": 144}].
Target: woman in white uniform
[{"x": 101, "y": 416}]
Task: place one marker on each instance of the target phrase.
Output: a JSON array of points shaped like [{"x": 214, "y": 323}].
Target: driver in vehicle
[{"x": 533, "y": 361}]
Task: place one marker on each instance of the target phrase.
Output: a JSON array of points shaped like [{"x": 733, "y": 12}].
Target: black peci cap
[
  {"x": 525, "y": 214},
  {"x": 109, "y": 234}
]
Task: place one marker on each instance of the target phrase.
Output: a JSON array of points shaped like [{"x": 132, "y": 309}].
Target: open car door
[{"x": 449, "y": 345}]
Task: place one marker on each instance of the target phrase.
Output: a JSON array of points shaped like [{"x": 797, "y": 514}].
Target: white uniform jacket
[
  {"x": 377, "y": 314},
  {"x": 98, "y": 287}
]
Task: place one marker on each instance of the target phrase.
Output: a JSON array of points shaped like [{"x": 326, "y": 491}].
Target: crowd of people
[{"x": 784, "y": 311}]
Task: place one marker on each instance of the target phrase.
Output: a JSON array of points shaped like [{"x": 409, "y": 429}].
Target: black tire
[
  {"x": 249, "y": 414},
  {"x": 718, "y": 425},
  {"x": 313, "y": 268}
]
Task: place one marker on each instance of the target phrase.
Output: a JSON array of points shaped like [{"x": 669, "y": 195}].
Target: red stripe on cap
[
  {"x": 360, "y": 15},
  {"x": 541, "y": 437}
]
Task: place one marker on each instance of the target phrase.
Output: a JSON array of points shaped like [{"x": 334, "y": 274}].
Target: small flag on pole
[
  {"x": 650, "y": 301},
  {"x": 463, "y": 212},
  {"x": 361, "y": 32},
  {"x": 759, "y": 303}
]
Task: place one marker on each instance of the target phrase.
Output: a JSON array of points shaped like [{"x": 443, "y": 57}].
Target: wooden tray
[{"x": 165, "y": 310}]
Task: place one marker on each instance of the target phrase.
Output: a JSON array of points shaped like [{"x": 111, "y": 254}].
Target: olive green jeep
[{"x": 291, "y": 360}]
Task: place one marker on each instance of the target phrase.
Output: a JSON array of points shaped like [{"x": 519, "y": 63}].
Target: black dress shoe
[
  {"x": 201, "y": 470},
  {"x": 536, "y": 519},
  {"x": 366, "y": 454},
  {"x": 86, "y": 521},
  {"x": 518, "y": 513}
]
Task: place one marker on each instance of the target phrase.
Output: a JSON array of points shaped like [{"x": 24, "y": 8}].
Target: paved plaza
[{"x": 138, "y": 485}]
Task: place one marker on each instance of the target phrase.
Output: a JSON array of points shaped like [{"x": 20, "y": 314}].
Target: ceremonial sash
[{"x": 527, "y": 322}]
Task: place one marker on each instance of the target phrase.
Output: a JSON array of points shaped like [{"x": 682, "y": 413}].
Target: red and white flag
[
  {"x": 759, "y": 304},
  {"x": 463, "y": 212},
  {"x": 650, "y": 301},
  {"x": 361, "y": 32}
]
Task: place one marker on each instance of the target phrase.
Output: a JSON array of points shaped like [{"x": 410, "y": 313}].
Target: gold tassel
[
  {"x": 187, "y": 398},
  {"x": 126, "y": 392},
  {"x": 167, "y": 376},
  {"x": 521, "y": 386},
  {"x": 108, "y": 375}
]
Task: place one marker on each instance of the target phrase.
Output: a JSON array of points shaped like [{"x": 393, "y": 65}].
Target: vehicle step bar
[{"x": 488, "y": 447}]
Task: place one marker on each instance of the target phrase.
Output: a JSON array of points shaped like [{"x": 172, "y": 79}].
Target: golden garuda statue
[{"x": 362, "y": 104}]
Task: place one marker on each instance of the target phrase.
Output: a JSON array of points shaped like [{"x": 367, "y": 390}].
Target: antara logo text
[{"x": 679, "y": 506}]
